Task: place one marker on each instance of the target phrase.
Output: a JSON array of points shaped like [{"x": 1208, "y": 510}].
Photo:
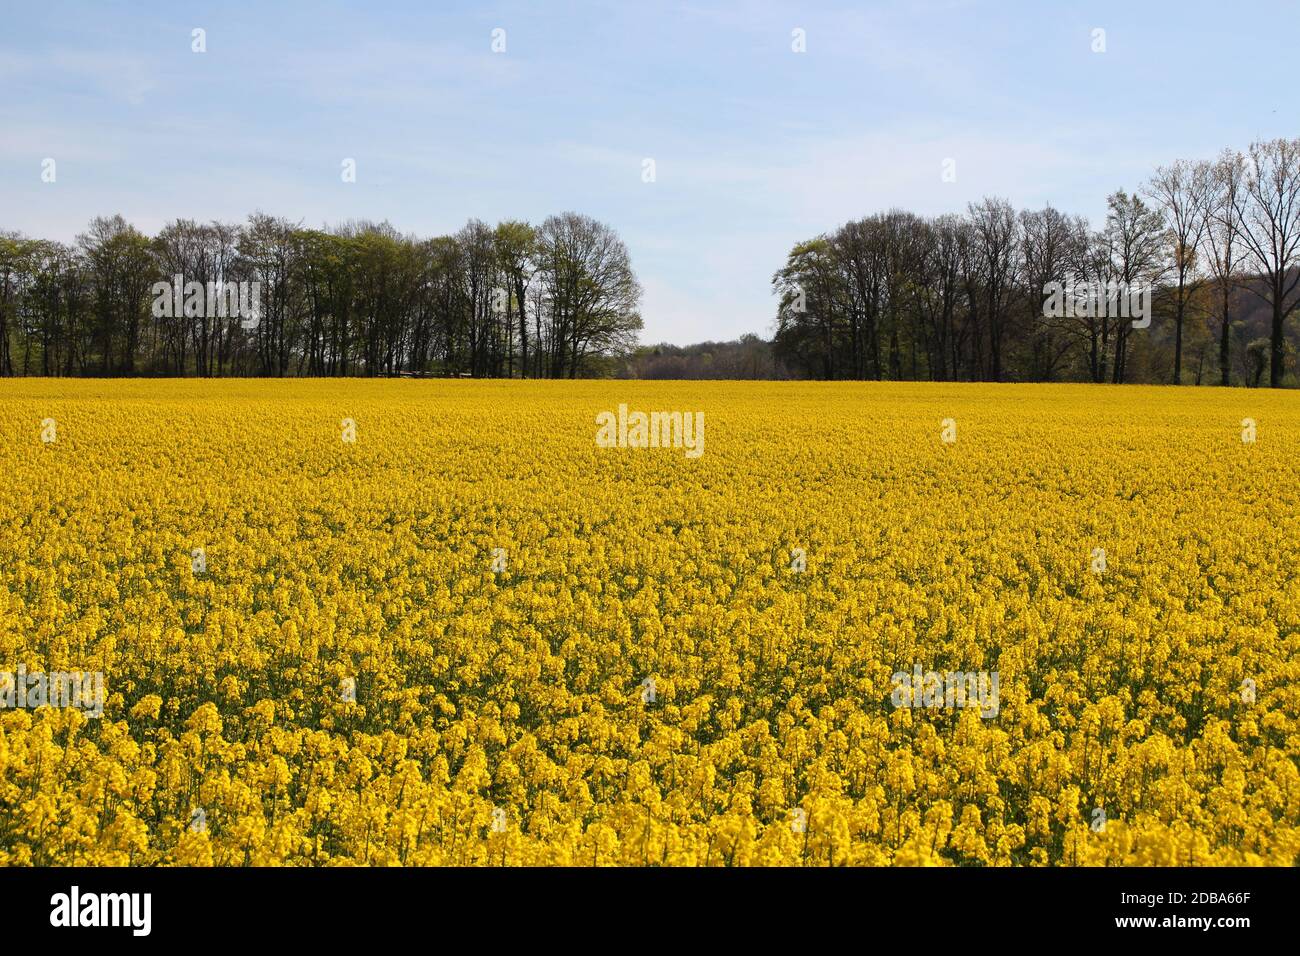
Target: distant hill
[{"x": 749, "y": 357}]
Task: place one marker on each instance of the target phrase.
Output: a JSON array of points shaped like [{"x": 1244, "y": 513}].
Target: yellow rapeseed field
[{"x": 472, "y": 635}]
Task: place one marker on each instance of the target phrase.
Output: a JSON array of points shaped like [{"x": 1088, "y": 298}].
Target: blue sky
[{"x": 755, "y": 146}]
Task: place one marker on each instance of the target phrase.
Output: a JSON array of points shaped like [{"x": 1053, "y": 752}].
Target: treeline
[
  {"x": 555, "y": 300},
  {"x": 901, "y": 296}
]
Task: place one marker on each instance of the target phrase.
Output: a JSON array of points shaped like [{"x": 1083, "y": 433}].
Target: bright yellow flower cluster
[{"x": 474, "y": 636}]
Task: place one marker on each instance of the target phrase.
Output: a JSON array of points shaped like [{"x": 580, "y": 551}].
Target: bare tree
[
  {"x": 1268, "y": 210},
  {"x": 1052, "y": 244},
  {"x": 1223, "y": 251},
  {"x": 997, "y": 251},
  {"x": 1182, "y": 190},
  {"x": 592, "y": 291},
  {"x": 1135, "y": 241}
]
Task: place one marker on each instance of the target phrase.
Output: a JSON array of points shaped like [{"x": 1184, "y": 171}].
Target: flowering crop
[{"x": 393, "y": 622}]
